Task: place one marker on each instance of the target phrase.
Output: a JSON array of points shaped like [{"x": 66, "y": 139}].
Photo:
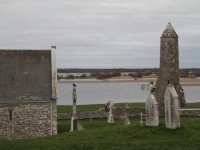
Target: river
[{"x": 101, "y": 93}]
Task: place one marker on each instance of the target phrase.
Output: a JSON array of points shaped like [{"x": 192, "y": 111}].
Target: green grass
[
  {"x": 80, "y": 108},
  {"x": 193, "y": 105},
  {"x": 100, "y": 135},
  {"x": 95, "y": 107}
]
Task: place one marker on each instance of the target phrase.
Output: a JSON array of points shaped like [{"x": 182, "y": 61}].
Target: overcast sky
[{"x": 102, "y": 33}]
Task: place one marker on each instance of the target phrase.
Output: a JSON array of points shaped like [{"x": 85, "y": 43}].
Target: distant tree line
[
  {"x": 134, "y": 73},
  {"x": 78, "y": 70}
]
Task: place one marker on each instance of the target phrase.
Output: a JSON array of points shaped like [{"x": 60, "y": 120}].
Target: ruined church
[{"x": 28, "y": 93}]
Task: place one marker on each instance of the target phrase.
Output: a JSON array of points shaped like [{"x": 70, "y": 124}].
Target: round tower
[{"x": 169, "y": 67}]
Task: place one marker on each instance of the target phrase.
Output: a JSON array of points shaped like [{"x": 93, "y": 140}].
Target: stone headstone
[
  {"x": 91, "y": 120},
  {"x": 172, "y": 117},
  {"x": 127, "y": 121},
  {"x": 110, "y": 106},
  {"x": 152, "y": 118},
  {"x": 169, "y": 67}
]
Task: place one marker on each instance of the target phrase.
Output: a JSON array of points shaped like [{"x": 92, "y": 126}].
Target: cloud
[{"x": 106, "y": 33}]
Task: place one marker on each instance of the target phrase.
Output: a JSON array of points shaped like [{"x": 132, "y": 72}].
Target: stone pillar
[
  {"x": 169, "y": 68},
  {"x": 74, "y": 117},
  {"x": 152, "y": 118},
  {"x": 74, "y": 97},
  {"x": 127, "y": 121},
  {"x": 172, "y": 117}
]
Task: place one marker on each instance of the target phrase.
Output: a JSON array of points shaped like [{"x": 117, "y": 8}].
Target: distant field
[
  {"x": 83, "y": 108},
  {"x": 100, "y": 135}
]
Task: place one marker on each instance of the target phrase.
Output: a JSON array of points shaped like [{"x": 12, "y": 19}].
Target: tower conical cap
[{"x": 169, "y": 32}]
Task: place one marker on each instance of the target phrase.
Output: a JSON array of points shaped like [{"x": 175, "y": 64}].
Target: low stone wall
[
  {"x": 117, "y": 113},
  {"x": 120, "y": 111},
  {"x": 190, "y": 112}
]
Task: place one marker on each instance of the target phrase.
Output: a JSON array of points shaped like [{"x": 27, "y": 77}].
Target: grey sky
[{"x": 102, "y": 33}]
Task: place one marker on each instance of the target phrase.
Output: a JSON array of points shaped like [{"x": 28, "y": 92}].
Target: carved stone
[
  {"x": 75, "y": 126},
  {"x": 172, "y": 117},
  {"x": 127, "y": 121},
  {"x": 110, "y": 106},
  {"x": 152, "y": 118}
]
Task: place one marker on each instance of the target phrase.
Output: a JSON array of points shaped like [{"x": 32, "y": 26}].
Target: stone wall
[
  {"x": 119, "y": 112},
  {"x": 190, "y": 112},
  {"x": 27, "y": 120}
]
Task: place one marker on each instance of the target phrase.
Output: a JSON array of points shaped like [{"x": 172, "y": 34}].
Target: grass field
[
  {"x": 94, "y": 107},
  {"x": 83, "y": 108},
  {"x": 100, "y": 135}
]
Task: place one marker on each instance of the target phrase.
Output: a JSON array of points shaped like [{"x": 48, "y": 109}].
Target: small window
[{"x": 10, "y": 115}]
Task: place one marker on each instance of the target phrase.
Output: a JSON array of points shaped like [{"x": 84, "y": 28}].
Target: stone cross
[
  {"x": 152, "y": 118},
  {"x": 127, "y": 121},
  {"x": 172, "y": 116},
  {"x": 74, "y": 97},
  {"x": 74, "y": 117},
  {"x": 110, "y": 115}
]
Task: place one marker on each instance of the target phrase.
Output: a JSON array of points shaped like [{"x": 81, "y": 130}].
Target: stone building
[
  {"x": 28, "y": 93},
  {"x": 169, "y": 67}
]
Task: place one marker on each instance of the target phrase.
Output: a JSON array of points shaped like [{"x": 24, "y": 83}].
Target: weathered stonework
[
  {"x": 28, "y": 94},
  {"x": 118, "y": 113},
  {"x": 110, "y": 114},
  {"x": 169, "y": 68},
  {"x": 126, "y": 121},
  {"x": 75, "y": 126},
  {"x": 172, "y": 117},
  {"x": 195, "y": 112},
  {"x": 29, "y": 120},
  {"x": 74, "y": 119},
  {"x": 152, "y": 118}
]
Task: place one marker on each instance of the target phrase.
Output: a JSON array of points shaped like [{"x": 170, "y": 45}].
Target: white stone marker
[
  {"x": 152, "y": 118},
  {"x": 127, "y": 121},
  {"x": 141, "y": 121},
  {"x": 110, "y": 115},
  {"x": 172, "y": 117}
]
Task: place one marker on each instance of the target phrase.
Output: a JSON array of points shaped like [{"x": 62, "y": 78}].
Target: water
[{"x": 101, "y": 93}]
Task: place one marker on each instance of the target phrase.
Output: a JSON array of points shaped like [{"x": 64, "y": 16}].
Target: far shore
[{"x": 196, "y": 82}]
